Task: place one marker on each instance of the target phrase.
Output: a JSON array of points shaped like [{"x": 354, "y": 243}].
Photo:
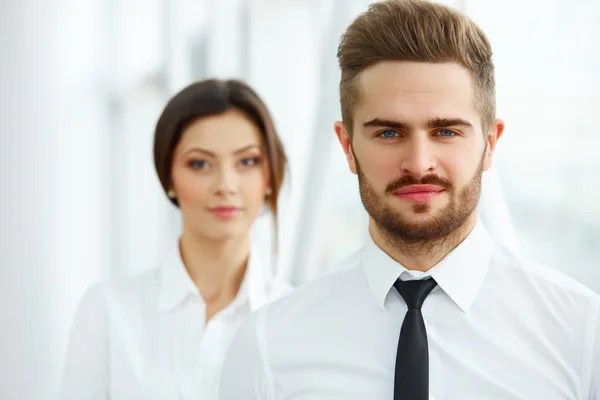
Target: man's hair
[{"x": 418, "y": 31}]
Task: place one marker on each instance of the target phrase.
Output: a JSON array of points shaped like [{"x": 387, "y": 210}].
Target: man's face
[{"x": 418, "y": 148}]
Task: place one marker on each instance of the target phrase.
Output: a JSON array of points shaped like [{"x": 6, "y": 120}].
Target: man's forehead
[
  {"x": 402, "y": 77},
  {"x": 424, "y": 90}
]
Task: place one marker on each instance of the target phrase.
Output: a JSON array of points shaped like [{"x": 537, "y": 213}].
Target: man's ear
[
  {"x": 346, "y": 142},
  {"x": 494, "y": 134}
]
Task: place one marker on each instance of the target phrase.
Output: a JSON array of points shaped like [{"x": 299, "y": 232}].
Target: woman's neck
[{"x": 216, "y": 267}]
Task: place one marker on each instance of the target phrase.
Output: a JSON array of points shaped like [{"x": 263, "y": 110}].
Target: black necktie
[{"x": 411, "y": 381}]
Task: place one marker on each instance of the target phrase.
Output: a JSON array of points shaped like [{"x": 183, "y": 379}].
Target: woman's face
[{"x": 220, "y": 175}]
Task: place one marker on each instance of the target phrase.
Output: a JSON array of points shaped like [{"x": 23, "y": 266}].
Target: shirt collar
[
  {"x": 460, "y": 274},
  {"x": 175, "y": 284}
]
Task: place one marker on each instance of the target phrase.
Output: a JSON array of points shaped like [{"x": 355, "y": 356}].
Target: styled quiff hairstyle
[{"x": 418, "y": 31}]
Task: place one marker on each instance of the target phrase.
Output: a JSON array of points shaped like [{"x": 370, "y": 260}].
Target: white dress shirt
[
  {"x": 145, "y": 337},
  {"x": 497, "y": 327}
]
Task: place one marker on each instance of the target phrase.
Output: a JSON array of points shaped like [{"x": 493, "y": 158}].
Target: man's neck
[{"x": 421, "y": 256}]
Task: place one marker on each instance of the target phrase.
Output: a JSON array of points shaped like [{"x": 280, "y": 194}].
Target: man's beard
[{"x": 397, "y": 228}]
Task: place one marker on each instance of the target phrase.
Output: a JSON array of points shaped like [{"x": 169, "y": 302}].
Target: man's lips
[{"x": 419, "y": 193}]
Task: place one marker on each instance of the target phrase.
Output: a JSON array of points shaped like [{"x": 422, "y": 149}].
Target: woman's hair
[{"x": 214, "y": 97}]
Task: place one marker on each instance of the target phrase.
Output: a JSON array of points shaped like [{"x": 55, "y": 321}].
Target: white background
[{"x": 83, "y": 82}]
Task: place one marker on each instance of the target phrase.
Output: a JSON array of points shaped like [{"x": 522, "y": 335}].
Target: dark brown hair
[
  {"x": 213, "y": 97},
  {"x": 420, "y": 31}
]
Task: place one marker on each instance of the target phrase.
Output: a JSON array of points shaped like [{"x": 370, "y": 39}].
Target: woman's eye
[
  {"x": 388, "y": 134},
  {"x": 250, "y": 162},
  {"x": 198, "y": 164}
]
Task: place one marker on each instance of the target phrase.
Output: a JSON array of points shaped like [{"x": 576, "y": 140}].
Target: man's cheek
[{"x": 386, "y": 169}]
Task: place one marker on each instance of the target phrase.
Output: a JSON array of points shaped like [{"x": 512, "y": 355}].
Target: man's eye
[
  {"x": 446, "y": 133},
  {"x": 388, "y": 134}
]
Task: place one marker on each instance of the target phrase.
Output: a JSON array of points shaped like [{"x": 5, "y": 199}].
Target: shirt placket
[
  {"x": 192, "y": 334},
  {"x": 211, "y": 354}
]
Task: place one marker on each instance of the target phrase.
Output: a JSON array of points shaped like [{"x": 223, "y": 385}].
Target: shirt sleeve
[
  {"x": 85, "y": 373},
  {"x": 246, "y": 374},
  {"x": 595, "y": 370}
]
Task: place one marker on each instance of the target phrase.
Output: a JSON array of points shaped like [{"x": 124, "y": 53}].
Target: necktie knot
[{"x": 415, "y": 292}]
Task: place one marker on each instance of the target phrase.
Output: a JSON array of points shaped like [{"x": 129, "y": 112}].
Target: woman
[{"x": 162, "y": 334}]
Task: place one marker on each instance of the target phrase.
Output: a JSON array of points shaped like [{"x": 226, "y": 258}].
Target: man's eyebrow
[
  {"x": 446, "y": 122},
  {"x": 385, "y": 123},
  {"x": 432, "y": 123}
]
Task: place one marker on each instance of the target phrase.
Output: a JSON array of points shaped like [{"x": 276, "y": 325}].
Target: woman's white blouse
[{"x": 145, "y": 337}]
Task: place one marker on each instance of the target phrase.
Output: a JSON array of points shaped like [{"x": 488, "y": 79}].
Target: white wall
[
  {"x": 83, "y": 82},
  {"x": 548, "y": 89},
  {"x": 52, "y": 209}
]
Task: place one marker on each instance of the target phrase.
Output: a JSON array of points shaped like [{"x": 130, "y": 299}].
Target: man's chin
[
  {"x": 418, "y": 221},
  {"x": 421, "y": 224},
  {"x": 418, "y": 213}
]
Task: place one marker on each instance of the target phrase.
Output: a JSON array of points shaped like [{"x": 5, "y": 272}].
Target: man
[{"x": 432, "y": 306}]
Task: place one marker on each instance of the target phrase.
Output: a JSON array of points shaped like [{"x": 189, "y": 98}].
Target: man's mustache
[{"x": 408, "y": 180}]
